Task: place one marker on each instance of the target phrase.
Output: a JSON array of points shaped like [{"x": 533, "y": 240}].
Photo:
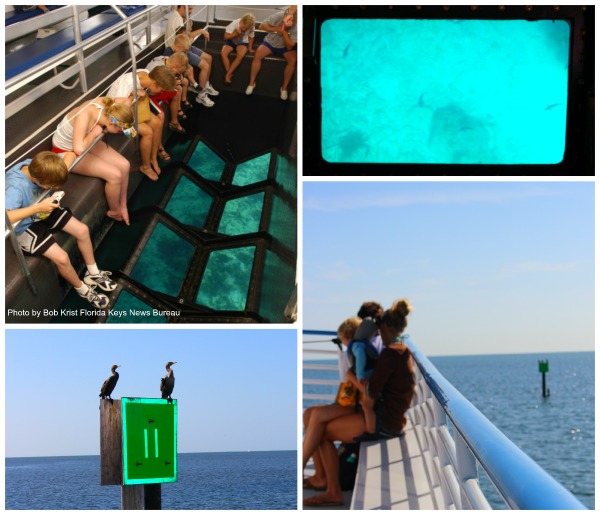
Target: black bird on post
[
  {"x": 167, "y": 383},
  {"x": 109, "y": 384}
]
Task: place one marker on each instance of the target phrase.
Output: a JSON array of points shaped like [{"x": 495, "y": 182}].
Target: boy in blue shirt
[{"x": 23, "y": 182}]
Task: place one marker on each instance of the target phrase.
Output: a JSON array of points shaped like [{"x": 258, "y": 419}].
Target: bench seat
[{"x": 43, "y": 49}]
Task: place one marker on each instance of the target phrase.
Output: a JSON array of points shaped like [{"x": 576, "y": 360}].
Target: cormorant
[
  {"x": 167, "y": 383},
  {"x": 109, "y": 384}
]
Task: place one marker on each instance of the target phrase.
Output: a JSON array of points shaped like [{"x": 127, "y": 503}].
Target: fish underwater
[{"x": 456, "y": 137}]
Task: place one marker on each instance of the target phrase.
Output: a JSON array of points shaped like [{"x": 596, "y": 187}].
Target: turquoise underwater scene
[{"x": 444, "y": 91}]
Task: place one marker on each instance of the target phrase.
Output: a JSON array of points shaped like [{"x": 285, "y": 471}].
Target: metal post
[
  {"x": 80, "y": 56},
  {"x": 19, "y": 253},
  {"x": 133, "y": 71}
]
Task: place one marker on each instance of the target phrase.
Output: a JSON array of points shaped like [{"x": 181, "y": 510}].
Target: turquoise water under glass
[{"x": 444, "y": 91}]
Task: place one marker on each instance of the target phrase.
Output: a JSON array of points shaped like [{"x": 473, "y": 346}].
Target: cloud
[{"x": 366, "y": 200}]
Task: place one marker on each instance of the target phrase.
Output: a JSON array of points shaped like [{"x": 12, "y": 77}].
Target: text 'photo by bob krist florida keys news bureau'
[
  {"x": 476, "y": 343},
  {"x": 182, "y": 209}
]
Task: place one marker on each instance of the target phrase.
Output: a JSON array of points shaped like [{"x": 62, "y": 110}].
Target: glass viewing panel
[
  {"x": 252, "y": 171},
  {"x": 189, "y": 203},
  {"x": 206, "y": 163},
  {"x": 226, "y": 279},
  {"x": 242, "y": 215},
  {"x": 444, "y": 91},
  {"x": 163, "y": 264}
]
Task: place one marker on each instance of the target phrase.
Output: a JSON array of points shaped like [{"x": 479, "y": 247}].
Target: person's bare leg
[
  {"x": 63, "y": 264},
  {"x": 261, "y": 52},
  {"x": 290, "y": 68},
  {"x": 240, "y": 52}
]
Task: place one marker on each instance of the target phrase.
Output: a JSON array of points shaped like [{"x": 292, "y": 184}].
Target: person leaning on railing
[
  {"x": 39, "y": 221},
  {"x": 392, "y": 384}
]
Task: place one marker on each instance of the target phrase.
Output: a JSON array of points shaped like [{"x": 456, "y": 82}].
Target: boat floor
[{"x": 393, "y": 474}]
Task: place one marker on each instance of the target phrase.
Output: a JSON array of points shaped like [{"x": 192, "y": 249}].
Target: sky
[
  {"x": 236, "y": 389},
  {"x": 488, "y": 267}
]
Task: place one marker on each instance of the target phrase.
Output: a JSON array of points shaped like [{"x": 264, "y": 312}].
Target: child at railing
[
  {"x": 178, "y": 63},
  {"x": 239, "y": 36},
  {"x": 181, "y": 43},
  {"x": 150, "y": 120},
  {"x": 23, "y": 182},
  {"x": 77, "y": 132}
]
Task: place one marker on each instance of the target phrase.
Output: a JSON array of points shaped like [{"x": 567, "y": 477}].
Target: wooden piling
[
  {"x": 111, "y": 443},
  {"x": 141, "y": 497}
]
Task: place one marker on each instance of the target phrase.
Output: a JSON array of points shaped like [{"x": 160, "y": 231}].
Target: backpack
[{"x": 348, "y": 454}]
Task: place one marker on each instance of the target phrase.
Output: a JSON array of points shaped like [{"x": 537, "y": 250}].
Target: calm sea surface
[
  {"x": 206, "y": 481},
  {"x": 557, "y": 431}
]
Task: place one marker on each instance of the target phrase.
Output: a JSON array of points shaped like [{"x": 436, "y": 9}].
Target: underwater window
[
  {"x": 226, "y": 279},
  {"x": 252, "y": 171},
  {"x": 436, "y": 91},
  {"x": 189, "y": 203},
  {"x": 242, "y": 215},
  {"x": 206, "y": 163},
  {"x": 163, "y": 263}
]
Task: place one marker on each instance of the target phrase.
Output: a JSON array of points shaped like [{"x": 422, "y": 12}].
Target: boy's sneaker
[
  {"x": 210, "y": 90},
  {"x": 101, "y": 280},
  {"x": 98, "y": 300},
  {"x": 203, "y": 99},
  {"x": 194, "y": 88}
]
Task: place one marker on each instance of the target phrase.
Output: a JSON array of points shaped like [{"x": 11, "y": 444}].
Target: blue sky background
[
  {"x": 236, "y": 389},
  {"x": 489, "y": 267}
]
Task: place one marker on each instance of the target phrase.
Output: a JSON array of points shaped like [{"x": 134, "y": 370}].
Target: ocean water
[
  {"x": 558, "y": 431},
  {"x": 206, "y": 481},
  {"x": 444, "y": 91}
]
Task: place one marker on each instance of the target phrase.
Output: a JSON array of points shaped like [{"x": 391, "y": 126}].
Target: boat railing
[{"x": 461, "y": 441}]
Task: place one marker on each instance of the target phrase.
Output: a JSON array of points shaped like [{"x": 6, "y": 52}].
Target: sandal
[
  {"x": 162, "y": 154},
  {"x": 187, "y": 104},
  {"x": 182, "y": 115},
  {"x": 177, "y": 128}
]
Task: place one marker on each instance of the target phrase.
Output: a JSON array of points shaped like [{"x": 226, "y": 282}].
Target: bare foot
[
  {"x": 115, "y": 215},
  {"x": 228, "y": 78},
  {"x": 155, "y": 166},
  {"x": 323, "y": 500},
  {"x": 149, "y": 172},
  {"x": 125, "y": 215},
  {"x": 314, "y": 483}
]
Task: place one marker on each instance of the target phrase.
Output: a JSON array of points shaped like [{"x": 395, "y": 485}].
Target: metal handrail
[
  {"x": 477, "y": 440},
  {"x": 503, "y": 462},
  {"x": 28, "y": 75}
]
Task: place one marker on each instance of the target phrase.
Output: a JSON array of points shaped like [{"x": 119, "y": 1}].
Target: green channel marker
[{"x": 149, "y": 440}]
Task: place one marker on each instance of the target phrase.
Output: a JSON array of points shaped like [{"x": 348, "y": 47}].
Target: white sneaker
[
  {"x": 283, "y": 94},
  {"x": 203, "y": 99},
  {"x": 293, "y": 96},
  {"x": 250, "y": 89},
  {"x": 210, "y": 90},
  {"x": 98, "y": 300}
]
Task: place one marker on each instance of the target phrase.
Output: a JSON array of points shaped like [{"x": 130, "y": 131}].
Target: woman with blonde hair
[{"x": 80, "y": 128}]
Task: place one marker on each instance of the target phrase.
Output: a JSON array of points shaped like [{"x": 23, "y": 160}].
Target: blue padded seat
[
  {"x": 43, "y": 49},
  {"x": 17, "y": 16}
]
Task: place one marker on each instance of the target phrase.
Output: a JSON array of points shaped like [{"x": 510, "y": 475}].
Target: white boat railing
[{"x": 459, "y": 442}]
